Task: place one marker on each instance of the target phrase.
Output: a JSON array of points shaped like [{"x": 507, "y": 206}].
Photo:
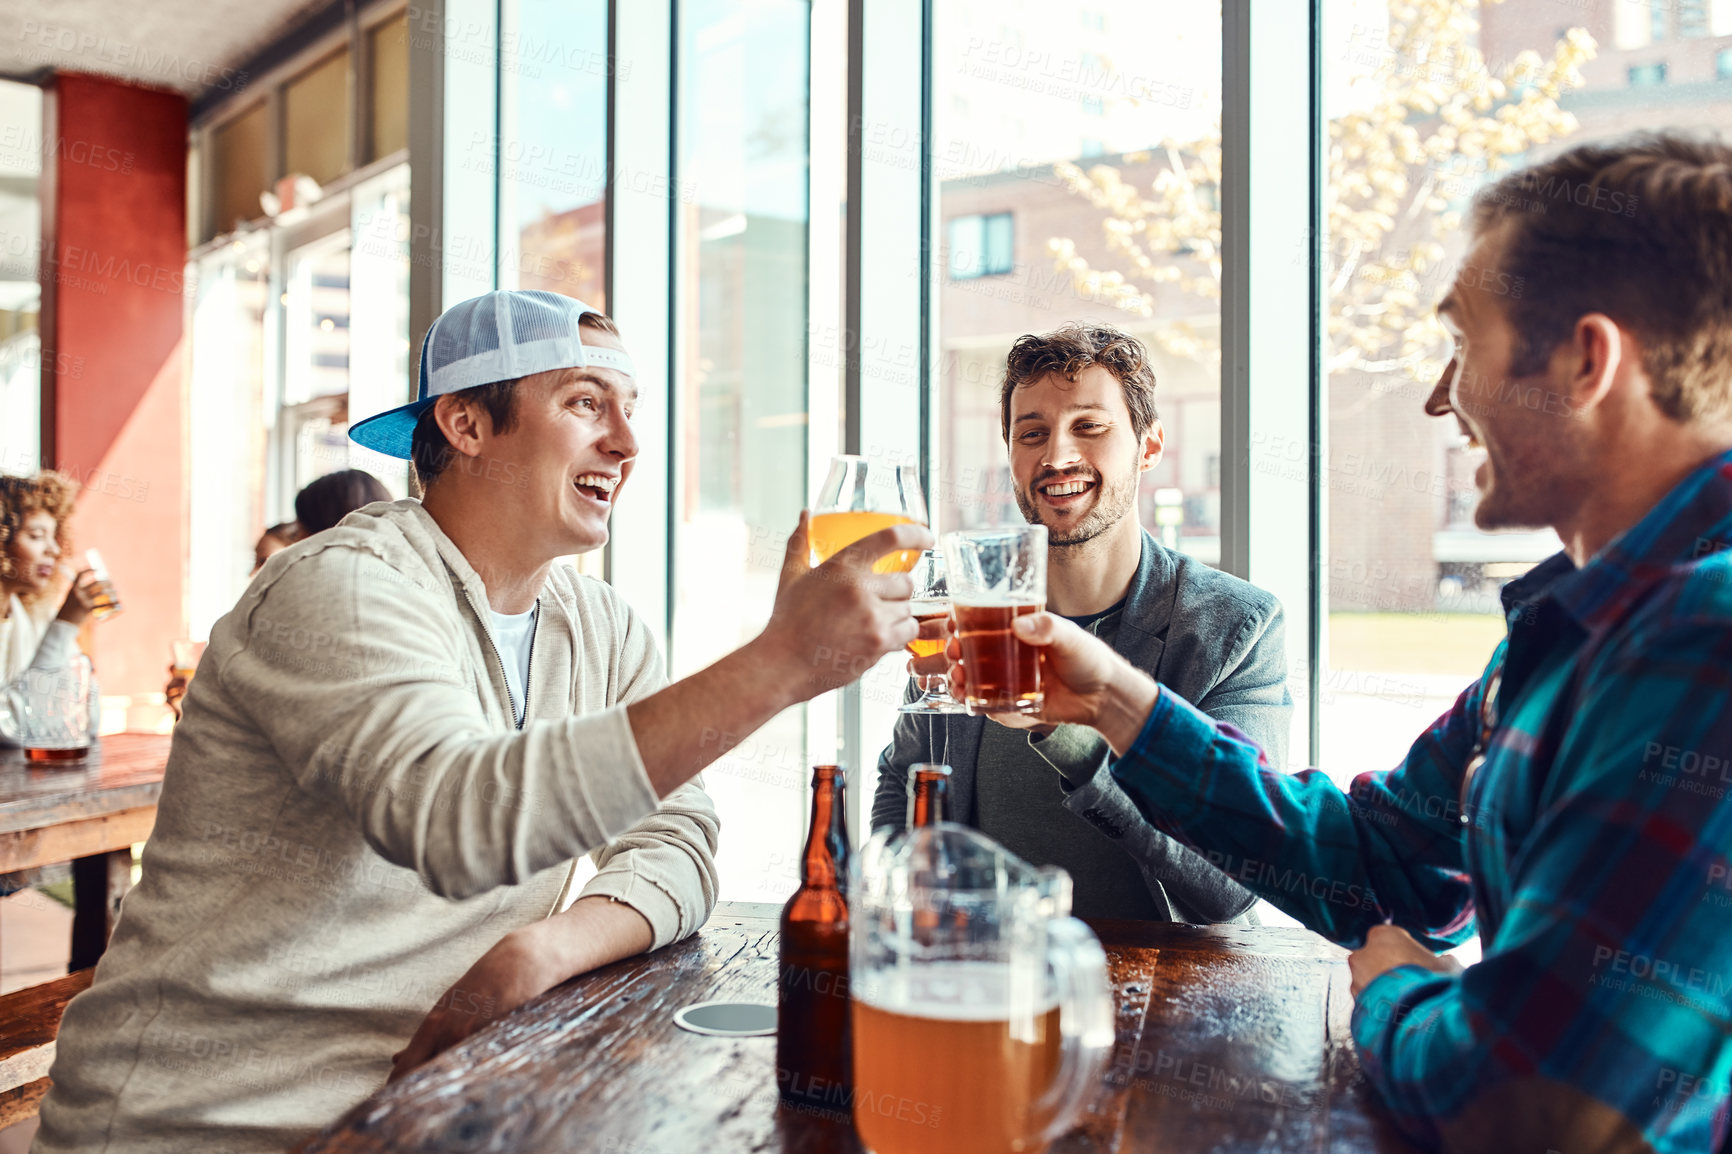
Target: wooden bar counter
[{"x": 1229, "y": 1039}]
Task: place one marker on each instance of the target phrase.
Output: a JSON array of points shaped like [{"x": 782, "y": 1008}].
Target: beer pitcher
[{"x": 983, "y": 1016}]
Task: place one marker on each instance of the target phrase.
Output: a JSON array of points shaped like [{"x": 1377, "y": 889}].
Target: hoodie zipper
[
  {"x": 528, "y": 666},
  {"x": 500, "y": 660}
]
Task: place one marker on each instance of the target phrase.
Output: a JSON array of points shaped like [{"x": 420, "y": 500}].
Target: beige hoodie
[{"x": 350, "y": 820}]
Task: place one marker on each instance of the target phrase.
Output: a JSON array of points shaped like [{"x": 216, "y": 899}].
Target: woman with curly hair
[{"x": 34, "y": 639}]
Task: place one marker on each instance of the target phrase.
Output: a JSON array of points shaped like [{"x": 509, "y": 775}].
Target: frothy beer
[
  {"x": 1003, "y": 671},
  {"x": 943, "y": 1064}
]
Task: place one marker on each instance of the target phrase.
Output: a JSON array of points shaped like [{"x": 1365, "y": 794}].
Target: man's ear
[
  {"x": 1596, "y": 357},
  {"x": 465, "y": 423},
  {"x": 1153, "y": 445}
]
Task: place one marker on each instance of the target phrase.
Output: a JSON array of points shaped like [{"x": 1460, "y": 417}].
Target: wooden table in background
[
  {"x": 88, "y": 813},
  {"x": 1229, "y": 1039}
]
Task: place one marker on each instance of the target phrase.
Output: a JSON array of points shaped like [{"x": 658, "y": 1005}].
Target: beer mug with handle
[{"x": 983, "y": 1017}]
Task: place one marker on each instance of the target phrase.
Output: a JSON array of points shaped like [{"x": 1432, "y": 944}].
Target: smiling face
[
  {"x": 1536, "y": 457},
  {"x": 574, "y": 443},
  {"x": 560, "y": 465},
  {"x": 32, "y": 555},
  {"x": 1074, "y": 456}
]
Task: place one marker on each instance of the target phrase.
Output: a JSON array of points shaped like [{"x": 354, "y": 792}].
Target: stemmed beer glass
[
  {"x": 860, "y": 497},
  {"x": 931, "y": 603}
]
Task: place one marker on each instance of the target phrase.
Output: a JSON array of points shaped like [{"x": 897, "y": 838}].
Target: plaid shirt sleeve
[
  {"x": 1607, "y": 983},
  {"x": 1390, "y": 849}
]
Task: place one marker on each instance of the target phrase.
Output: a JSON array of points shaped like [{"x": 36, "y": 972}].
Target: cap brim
[{"x": 391, "y": 432}]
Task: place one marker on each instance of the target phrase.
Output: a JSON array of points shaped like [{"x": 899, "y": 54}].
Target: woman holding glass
[{"x": 39, "y": 654}]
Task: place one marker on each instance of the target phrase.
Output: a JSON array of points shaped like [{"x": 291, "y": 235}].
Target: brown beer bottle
[
  {"x": 814, "y": 1044},
  {"x": 928, "y": 794}
]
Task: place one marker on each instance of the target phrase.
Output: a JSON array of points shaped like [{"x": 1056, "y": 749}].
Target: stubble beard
[{"x": 1112, "y": 504}]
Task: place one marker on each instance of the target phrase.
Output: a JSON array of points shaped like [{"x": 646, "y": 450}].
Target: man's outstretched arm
[
  {"x": 366, "y": 706},
  {"x": 1340, "y": 863}
]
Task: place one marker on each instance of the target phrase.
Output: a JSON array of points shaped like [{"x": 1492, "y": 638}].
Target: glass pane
[
  {"x": 741, "y": 468},
  {"x": 20, "y": 291},
  {"x": 316, "y": 120},
  {"x": 311, "y": 433},
  {"x": 1431, "y": 101},
  {"x": 226, "y": 420},
  {"x": 238, "y": 168},
  {"x": 967, "y": 240},
  {"x": 553, "y": 155},
  {"x": 1077, "y": 154},
  {"x": 379, "y": 315},
  {"x": 389, "y": 99}
]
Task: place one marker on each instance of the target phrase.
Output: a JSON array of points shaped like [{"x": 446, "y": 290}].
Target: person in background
[
  {"x": 328, "y": 499},
  {"x": 1573, "y": 804},
  {"x": 34, "y": 638},
  {"x": 274, "y": 540},
  {"x": 319, "y": 506},
  {"x": 1077, "y": 413}
]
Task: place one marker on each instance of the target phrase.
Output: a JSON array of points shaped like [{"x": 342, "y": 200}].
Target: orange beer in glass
[
  {"x": 859, "y": 498},
  {"x": 926, "y": 612},
  {"x": 983, "y": 1015}
]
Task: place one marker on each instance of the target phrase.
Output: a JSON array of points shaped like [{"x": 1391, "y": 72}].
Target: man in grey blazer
[{"x": 1079, "y": 420}]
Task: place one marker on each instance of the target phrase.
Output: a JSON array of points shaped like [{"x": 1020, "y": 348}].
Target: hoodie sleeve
[
  {"x": 664, "y": 867},
  {"x": 356, "y": 677}
]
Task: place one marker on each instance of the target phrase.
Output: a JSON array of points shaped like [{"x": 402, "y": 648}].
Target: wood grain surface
[
  {"x": 29, "y": 1024},
  {"x": 1229, "y": 1039},
  {"x": 124, "y": 773}
]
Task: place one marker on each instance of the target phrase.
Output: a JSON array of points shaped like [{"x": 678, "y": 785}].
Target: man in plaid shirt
[{"x": 1573, "y": 804}]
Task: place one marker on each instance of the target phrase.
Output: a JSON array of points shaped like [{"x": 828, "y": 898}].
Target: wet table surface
[{"x": 1229, "y": 1039}]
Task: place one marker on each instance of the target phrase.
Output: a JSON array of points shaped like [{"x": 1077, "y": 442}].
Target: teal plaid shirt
[{"x": 1593, "y": 848}]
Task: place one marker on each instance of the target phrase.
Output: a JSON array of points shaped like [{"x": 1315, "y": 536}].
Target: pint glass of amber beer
[
  {"x": 982, "y": 1015},
  {"x": 996, "y": 576}
]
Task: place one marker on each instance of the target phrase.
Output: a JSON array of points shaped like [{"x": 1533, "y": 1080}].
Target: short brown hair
[
  {"x": 20, "y": 497},
  {"x": 1071, "y": 349},
  {"x": 428, "y": 448},
  {"x": 1639, "y": 229}
]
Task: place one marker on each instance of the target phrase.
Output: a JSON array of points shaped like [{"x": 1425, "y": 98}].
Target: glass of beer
[
  {"x": 107, "y": 601},
  {"x": 58, "y": 715},
  {"x": 931, "y": 603},
  {"x": 982, "y": 1012},
  {"x": 860, "y": 497},
  {"x": 996, "y": 576}
]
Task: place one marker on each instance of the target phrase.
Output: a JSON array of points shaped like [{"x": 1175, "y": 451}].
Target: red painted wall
[{"x": 113, "y": 277}]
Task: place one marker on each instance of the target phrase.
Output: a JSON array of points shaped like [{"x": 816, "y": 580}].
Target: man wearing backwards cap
[{"x": 398, "y": 741}]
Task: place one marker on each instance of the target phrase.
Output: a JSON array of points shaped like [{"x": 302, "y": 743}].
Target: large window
[
  {"x": 1076, "y": 154},
  {"x": 1413, "y": 585},
  {"x": 227, "y": 424},
  {"x": 740, "y": 471},
  {"x": 552, "y": 157},
  {"x": 20, "y": 291}
]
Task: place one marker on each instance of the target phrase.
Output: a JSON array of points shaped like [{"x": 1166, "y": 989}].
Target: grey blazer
[{"x": 1213, "y": 639}]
